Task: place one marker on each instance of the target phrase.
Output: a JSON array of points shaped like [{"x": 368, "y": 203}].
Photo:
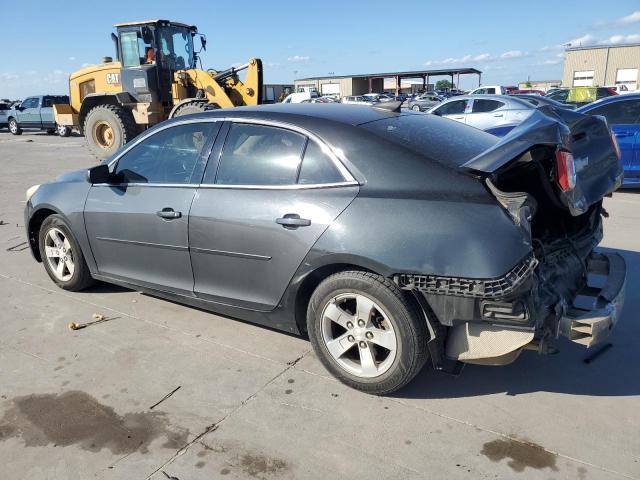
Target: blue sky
[{"x": 42, "y": 42}]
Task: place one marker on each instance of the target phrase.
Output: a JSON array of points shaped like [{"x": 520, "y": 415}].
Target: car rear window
[{"x": 446, "y": 141}]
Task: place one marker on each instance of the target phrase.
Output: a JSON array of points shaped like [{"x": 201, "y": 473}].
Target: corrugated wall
[{"x": 604, "y": 62}]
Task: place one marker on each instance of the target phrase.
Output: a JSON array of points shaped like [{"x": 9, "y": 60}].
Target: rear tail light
[
  {"x": 565, "y": 170},
  {"x": 616, "y": 147}
]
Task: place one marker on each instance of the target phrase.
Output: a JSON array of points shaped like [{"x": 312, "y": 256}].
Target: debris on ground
[
  {"x": 97, "y": 318},
  {"x": 165, "y": 397}
]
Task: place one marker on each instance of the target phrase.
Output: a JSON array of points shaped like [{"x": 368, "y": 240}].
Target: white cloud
[
  {"x": 71, "y": 59},
  {"x": 633, "y": 18},
  {"x": 19, "y": 85},
  {"x": 583, "y": 41},
  {"x": 298, "y": 58},
  {"x": 514, "y": 54},
  {"x": 617, "y": 39},
  {"x": 464, "y": 59},
  {"x": 555, "y": 61}
]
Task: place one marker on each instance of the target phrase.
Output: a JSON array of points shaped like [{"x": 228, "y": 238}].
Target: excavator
[{"x": 155, "y": 77}]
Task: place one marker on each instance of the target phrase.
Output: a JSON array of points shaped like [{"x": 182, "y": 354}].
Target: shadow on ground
[{"x": 615, "y": 373}]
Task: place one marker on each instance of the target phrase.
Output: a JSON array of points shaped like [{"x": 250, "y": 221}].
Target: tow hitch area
[{"x": 597, "y": 307}]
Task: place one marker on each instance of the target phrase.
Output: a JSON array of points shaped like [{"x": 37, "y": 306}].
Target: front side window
[
  {"x": 176, "y": 48},
  {"x": 625, "y": 112},
  {"x": 31, "y": 103},
  {"x": 456, "y": 107},
  {"x": 130, "y": 50},
  {"x": 483, "y": 106},
  {"x": 170, "y": 156},
  {"x": 317, "y": 167},
  {"x": 259, "y": 155}
]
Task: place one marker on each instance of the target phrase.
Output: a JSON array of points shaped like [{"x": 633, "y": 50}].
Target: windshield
[{"x": 176, "y": 48}]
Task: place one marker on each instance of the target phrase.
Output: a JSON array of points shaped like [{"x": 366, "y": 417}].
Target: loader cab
[{"x": 150, "y": 53}]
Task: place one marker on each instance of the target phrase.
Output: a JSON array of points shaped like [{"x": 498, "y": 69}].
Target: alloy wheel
[
  {"x": 359, "y": 335},
  {"x": 59, "y": 254}
]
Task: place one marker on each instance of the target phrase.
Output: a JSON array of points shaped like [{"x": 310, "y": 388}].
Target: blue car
[{"x": 623, "y": 116}]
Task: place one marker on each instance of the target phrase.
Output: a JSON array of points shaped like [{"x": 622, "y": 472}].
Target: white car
[
  {"x": 300, "y": 97},
  {"x": 358, "y": 99},
  {"x": 485, "y": 112},
  {"x": 489, "y": 90}
]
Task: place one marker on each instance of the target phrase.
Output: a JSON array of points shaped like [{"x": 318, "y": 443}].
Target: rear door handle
[
  {"x": 498, "y": 115},
  {"x": 168, "y": 213},
  {"x": 291, "y": 221}
]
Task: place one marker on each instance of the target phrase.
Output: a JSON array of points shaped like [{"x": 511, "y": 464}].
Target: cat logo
[{"x": 113, "y": 78}]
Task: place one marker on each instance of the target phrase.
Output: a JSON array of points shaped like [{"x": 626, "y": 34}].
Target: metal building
[
  {"x": 602, "y": 65},
  {"x": 344, "y": 85}
]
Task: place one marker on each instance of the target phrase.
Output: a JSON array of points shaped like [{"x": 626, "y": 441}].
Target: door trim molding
[
  {"x": 145, "y": 244},
  {"x": 250, "y": 256}
]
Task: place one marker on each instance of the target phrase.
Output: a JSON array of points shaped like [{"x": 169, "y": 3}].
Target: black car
[{"x": 386, "y": 237}]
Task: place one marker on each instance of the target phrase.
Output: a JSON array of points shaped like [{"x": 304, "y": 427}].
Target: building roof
[
  {"x": 407, "y": 74},
  {"x": 608, "y": 45}
]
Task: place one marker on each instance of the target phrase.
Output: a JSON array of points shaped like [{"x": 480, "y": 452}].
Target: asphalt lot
[{"x": 255, "y": 403}]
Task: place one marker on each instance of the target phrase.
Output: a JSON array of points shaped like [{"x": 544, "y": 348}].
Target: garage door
[
  {"x": 583, "y": 78},
  {"x": 330, "y": 88},
  {"x": 628, "y": 77}
]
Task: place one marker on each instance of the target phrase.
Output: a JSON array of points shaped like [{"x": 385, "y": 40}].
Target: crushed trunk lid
[{"x": 597, "y": 168}]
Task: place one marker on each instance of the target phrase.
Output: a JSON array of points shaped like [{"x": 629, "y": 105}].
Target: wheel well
[
  {"x": 93, "y": 101},
  {"x": 34, "y": 230},
  {"x": 308, "y": 286}
]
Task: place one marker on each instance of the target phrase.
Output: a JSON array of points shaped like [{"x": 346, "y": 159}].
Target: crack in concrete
[{"x": 213, "y": 427}]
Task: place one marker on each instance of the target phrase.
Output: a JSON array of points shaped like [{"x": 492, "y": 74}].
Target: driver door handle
[
  {"x": 291, "y": 221},
  {"x": 168, "y": 213}
]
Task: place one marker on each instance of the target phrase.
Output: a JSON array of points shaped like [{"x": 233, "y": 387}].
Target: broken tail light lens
[
  {"x": 565, "y": 170},
  {"x": 616, "y": 147}
]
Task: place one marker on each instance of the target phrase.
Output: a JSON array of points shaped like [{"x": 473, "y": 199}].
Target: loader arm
[{"x": 224, "y": 88}]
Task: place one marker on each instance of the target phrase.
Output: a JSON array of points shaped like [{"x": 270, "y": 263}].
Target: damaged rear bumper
[{"x": 596, "y": 308}]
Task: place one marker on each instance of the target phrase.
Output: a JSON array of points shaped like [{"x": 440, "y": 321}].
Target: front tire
[
  {"x": 14, "y": 128},
  {"x": 415, "y": 108},
  {"x": 366, "y": 332},
  {"x": 61, "y": 255}
]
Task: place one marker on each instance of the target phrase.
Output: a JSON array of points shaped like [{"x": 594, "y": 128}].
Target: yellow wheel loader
[{"x": 154, "y": 78}]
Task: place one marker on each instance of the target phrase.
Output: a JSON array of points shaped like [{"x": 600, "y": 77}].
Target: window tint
[
  {"x": 4, "y": 106},
  {"x": 259, "y": 155},
  {"x": 491, "y": 91},
  {"x": 480, "y": 106},
  {"x": 452, "y": 108},
  {"x": 619, "y": 112},
  {"x": 169, "y": 156},
  {"x": 31, "y": 103},
  {"x": 317, "y": 167}
]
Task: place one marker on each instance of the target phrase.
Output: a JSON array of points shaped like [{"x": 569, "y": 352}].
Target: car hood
[{"x": 76, "y": 176}]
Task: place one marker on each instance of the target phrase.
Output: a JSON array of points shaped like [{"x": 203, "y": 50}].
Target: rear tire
[
  {"x": 63, "y": 130},
  {"x": 61, "y": 255},
  {"x": 107, "y": 128},
  {"x": 14, "y": 128},
  {"x": 366, "y": 332}
]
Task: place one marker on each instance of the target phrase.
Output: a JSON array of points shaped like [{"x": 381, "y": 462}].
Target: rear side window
[
  {"x": 259, "y": 155},
  {"x": 482, "y": 106},
  {"x": 619, "y": 112},
  {"x": 317, "y": 167},
  {"x": 169, "y": 156},
  {"x": 456, "y": 107}
]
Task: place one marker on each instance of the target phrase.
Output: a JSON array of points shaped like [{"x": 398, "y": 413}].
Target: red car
[{"x": 534, "y": 92}]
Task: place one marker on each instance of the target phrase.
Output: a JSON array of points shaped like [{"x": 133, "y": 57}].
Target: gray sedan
[
  {"x": 424, "y": 102},
  {"x": 387, "y": 237},
  {"x": 487, "y": 111}
]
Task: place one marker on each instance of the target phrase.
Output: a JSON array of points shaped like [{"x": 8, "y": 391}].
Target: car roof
[
  {"x": 611, "y": 99},
  {"x": 501, "y": 98},
  {"x": 333, "y": 112}
]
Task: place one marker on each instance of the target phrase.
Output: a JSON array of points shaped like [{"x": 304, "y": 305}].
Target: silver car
[
  {"x": 424, "y": 101},
  {"x": 358, "y": 99},
  {"x": 484, "y": 112}
]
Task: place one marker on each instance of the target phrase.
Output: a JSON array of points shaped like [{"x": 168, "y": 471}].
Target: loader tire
[
  {"x": 195, "y": 106},
  {"x": 107, "y": 128}
]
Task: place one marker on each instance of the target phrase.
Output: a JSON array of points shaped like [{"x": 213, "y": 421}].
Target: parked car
[
  {"x": 300, "y": 96},
  {"x": 463, "y": 248},
  {"x": 485, "y": 112},
  {"x": 490, "y": 90},
  {"x": 529, "y": 91},
  {"x": 4, "y": 115},
  {"x": 539, "y": 101},
  {"x": 424, "y": 102},
  {"x": 357, "y": 99},
  {"x": 579, "y": 96},
  {"x": 620, "y": 89},
  {"x": 378, "y": 97},
  {"x": 623, "y": 116},
  {"x": 37, "y": 113}
]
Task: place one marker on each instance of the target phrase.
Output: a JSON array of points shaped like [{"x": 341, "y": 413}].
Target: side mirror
[{"x": 99, "y": 174}]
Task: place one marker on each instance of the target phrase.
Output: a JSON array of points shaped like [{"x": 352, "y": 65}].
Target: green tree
[
  {"x": 443, "y": 85},
  {"x": 528, "y": 84}
]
